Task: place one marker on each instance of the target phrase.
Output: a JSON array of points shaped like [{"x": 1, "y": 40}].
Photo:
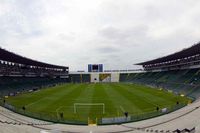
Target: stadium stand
[
  {"x": 184, "y": 82},
  {"x": 14, "y": 85},
  {"x": 15, "y": 65},
  {"x": 79, "y": 78},
  {"x": 18, "y": 74},
  {"x": 178, "y": 73},
  {"x": 185, "y": 59}
]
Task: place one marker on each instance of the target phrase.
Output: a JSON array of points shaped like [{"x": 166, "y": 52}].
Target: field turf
[{"x": 117, "y": 98}]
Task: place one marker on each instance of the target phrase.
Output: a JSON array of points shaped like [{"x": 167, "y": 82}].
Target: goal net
[{"x": 99, "y": 107}]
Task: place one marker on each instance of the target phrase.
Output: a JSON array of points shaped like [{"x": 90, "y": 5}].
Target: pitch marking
[
  {"x": 35, "y": 102},
  {"x": 122, "y": 109}
]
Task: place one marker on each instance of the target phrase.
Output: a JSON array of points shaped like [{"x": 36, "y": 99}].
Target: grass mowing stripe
[
  {"x": 158, "y": 96},
  {"x": 57, "y": 95},
  {"x": 48, "y": 105},
  {"x": 28, "y": 98},
  {"x": 100, "y": 96},
  {"x": 28, "y": 105},
  {"x": 117, "y": 97},
  {"x": 83, "y": 112},
  {"x": 122, "y": 99},
  {"x": 94, "y": 108},
  {"x": 142, "y": 95},
  {"x": 154, "y": 91},
  {"x": 65, "y": 105},
  {"x": 111, "y": 106},
  {"x": 139, "y": 102},
  {"x": 62, "y": 98}
]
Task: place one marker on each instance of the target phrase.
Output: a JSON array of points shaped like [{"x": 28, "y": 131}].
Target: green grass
[{"x": 117, "y": 97}]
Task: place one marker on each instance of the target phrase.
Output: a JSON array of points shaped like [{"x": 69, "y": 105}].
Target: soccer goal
[{"x": 101, "y": 106}]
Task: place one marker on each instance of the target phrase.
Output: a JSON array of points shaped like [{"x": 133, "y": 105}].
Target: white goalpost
[{"x": 89, "y": 104}]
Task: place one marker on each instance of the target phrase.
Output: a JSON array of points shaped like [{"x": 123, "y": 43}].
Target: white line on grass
[
  {"x": 35, "y": 102},
  {"x": 68, "y": 90},
  {"x": 122, "y": 109},
  {"x": 57, "y": 110}
]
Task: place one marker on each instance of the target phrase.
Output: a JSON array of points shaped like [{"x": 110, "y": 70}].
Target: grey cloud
[
  {"x": 124, "y": 36},
  {"x": 107, "y": 49},
  {"x": 68, "y": 37},
  {"x": 22, "y": 21},
  {"x": 114, "y": 32}
]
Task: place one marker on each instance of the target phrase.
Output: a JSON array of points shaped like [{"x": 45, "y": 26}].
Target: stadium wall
[
  {"x": 94, "y": 78},
  {"x": 105, "y": 77},
  {"x": 115, "y": 77}
]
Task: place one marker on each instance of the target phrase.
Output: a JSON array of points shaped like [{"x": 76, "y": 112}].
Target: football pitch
[{"x": 78, "y": 102}]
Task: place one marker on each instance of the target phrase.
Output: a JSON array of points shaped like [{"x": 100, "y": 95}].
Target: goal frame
[{"x": 89, "y": 104}]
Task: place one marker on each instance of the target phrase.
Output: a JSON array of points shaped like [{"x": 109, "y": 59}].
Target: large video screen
[{"x": 95, "y": 68}]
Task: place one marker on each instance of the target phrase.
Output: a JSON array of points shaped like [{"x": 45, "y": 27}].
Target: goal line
[{"x": 89, "y": 104}]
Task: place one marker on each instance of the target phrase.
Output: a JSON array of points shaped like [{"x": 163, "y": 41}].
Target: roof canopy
[
  {"x": 194, "y": 50},
  {"x": 12, "y": 57}
]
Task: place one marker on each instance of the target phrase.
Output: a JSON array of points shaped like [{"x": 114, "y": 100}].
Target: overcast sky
[{"x": 116, "y": 33}]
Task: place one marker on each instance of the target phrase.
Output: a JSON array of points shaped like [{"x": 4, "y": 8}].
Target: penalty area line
[
  {"x": 122, "y": 109},
  {"x": 34, "y": 102},
  {"x": 58, "y": 109}
]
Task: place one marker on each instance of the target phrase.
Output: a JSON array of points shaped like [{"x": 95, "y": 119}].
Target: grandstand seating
[
  {"x": 18, "y": 73},
  {"x": 14, "y": 85},
  {"x": 79, "y": 78},
  {"x": 184, "y": 59},
  {"x": 184, "y": 82},
  {"x": 15, "y": 65}
]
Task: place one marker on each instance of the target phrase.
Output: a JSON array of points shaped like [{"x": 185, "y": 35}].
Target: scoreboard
[{"x": 95, "y": 68}]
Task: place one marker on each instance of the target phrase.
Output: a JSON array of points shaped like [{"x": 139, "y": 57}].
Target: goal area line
[{"x": 89, "y": 104}]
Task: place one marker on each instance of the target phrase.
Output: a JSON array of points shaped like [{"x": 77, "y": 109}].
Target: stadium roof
[
  {"x": 12, "y": 57},
  {"x": 188, "y": 52}
]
